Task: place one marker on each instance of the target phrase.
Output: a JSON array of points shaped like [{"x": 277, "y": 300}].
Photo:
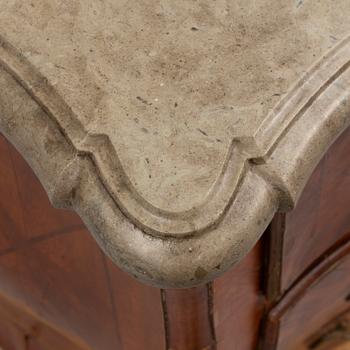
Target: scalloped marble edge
[{"x": 262, "y": 174}]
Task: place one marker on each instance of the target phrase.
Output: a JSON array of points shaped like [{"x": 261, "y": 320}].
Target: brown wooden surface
[
  {"x": 273, "y": 257},
  {"x": 138, "y": 312},
  {"x": 22, "y": 330},
  {"x": 335, "y": 335},
  {"x": 239, "y": 304},
  {"x": 190, "y": 310},
  {"x": 318, "y": 297}
]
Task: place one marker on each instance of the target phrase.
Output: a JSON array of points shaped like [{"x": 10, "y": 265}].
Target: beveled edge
[{"x": 275, "y": 165}]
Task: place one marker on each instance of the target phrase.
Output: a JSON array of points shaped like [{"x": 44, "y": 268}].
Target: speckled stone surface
[{"x": 175, "y": 129}]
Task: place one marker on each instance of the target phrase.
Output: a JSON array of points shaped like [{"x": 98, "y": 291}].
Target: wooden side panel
[
  {"x": 322, "y": 216},
  {"x": 239, "y": 304},
  {"x": 11, "y": 221},
  {"x": 63, "y": 279},
  {"x": 318, "y": 298},
  {"x": 22, "y": 330},
  {"x": 25, "y": 211},
  {"x": 39, "y": 217},
  {"x": 188, "y": 319},
  {"x": 138, "y": 310},
  {"x": 335, "y": 335}
]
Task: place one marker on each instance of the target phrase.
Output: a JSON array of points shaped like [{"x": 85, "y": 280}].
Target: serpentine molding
[{"x": 262, "y": 173}]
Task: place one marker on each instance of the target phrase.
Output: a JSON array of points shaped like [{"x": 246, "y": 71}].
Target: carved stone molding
[{"x": 260, "y": 165}]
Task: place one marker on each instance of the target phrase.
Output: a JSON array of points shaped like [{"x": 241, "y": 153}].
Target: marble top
[{"x": 176, "y": 129}]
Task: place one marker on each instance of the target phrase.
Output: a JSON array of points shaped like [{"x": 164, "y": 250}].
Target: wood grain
[
  {"x": 335, "y": 335},
  {"x": 138, "y": 310},
  {"x": 20, "y": 329},
  {"x": 317, "y": 298},
  {"x": 188, "y": 319},
  {"x": 239, "y": 303},
  {"x": 273, "y": 257}
]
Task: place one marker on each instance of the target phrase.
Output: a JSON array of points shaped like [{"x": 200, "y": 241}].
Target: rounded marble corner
[
  {"x": 274, "y": 165},
  {"x": 173, "y": 262}
]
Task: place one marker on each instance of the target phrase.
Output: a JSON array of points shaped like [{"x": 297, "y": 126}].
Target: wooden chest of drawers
[
  {"x": 199, "y": 152},
  {"x": 59, "y": 290}
]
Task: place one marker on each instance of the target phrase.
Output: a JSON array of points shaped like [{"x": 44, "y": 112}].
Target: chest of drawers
[{"x": 174, "y": 175}]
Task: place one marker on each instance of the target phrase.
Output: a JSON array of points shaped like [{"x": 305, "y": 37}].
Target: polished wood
[
  {"x": 333, "y": 336},
  {"x": 138, "y": 312},
  {"x": 317, "y": 297},
  {"x": 190, "y": 310},
  {"x": 273, "y": 257},
  {"x": 239, "y": 303},
  {"x": 20, "y": 329}
]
